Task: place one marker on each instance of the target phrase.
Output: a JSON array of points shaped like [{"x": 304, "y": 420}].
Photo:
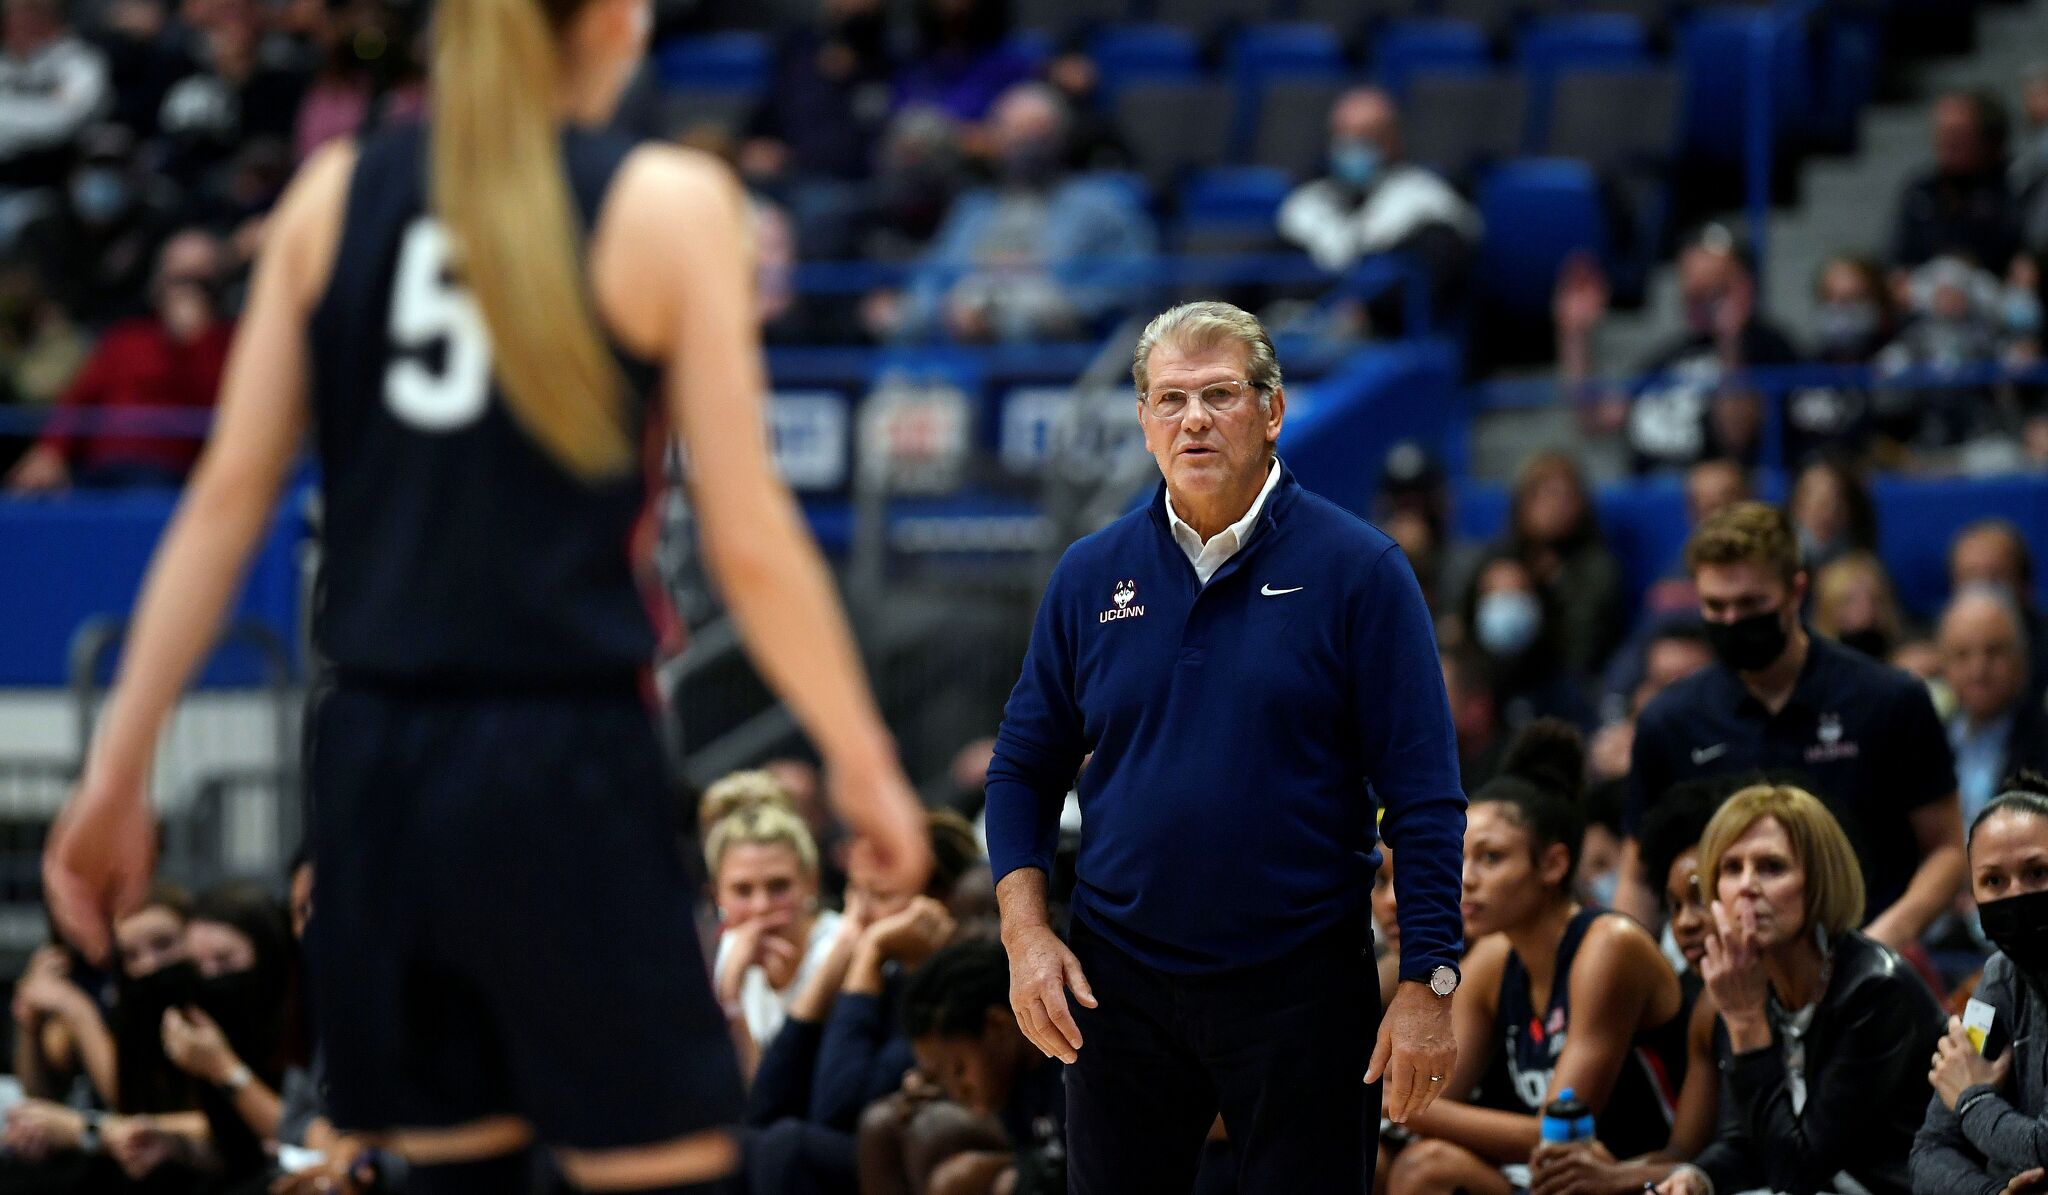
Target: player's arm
[
  {"x": 1938, "y": 831},
  {"x": 99, "y": 859},
  {"x": 682, "y": 219}
]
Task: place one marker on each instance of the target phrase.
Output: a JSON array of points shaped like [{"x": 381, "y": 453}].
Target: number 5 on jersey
[{"x": 429, "y": 309}]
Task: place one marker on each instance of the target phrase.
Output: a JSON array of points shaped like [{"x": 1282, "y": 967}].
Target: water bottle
[{"x": 1566, "y": 1119}]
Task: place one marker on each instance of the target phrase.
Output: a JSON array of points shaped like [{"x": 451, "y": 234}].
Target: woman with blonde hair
[
  {"x": 491, "y": 318},
  {"x": 763, "y": 866},
  {"x": 1824, "y": 1032},
  {"x": 1854, "y": 604}
]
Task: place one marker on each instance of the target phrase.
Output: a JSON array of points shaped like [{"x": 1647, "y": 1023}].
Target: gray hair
[
  {"x": 1996, "y": 597},
  {"x": 1207, "y": 325}
]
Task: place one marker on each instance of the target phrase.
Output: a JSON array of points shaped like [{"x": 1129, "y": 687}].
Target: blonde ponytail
[{"x": 501, "y": 194}]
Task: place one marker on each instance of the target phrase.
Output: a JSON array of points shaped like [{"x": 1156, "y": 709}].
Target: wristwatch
[
  {"x": 237, "y": 1078},
  {"x": 1443, "y": 981}
]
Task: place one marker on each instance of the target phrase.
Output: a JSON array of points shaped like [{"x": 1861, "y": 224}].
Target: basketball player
[{"x": 483, "y": 319}]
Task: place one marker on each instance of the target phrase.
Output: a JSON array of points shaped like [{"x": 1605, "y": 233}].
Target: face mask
[
  {"x": 1603, "y": 887},
  {"x": 1508, "y": 623},
  {"x": 2022, "y": 312},
  {"x": 99, "y": 196},
  {"x": 1355, "y": 162},
  {"x": 1748, "y": 644},
  {"x": 149, "y": 995},
  {"x": 1032, "y": 163},
  {"x": 2018, "y": 926},
  {"x": 239, "y": 1001},
  {"x": 1870, "y": 641},
  {"x": 1813, "y": 551},
  {"x": 1847, "y": 325}
]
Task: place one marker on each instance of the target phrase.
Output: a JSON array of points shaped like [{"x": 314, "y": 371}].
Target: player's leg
[{"x": 1429, "y": 1166}]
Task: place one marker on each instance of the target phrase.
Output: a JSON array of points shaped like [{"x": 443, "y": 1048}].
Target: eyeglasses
[{"x": 1217, "y": 398}]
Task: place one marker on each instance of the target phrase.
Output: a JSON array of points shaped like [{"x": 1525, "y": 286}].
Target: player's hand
[
  {"x": 38, "y": 1128},
  {"x": 892, "y": 853},
  {"x": 1042, "y": 970},
  {"x": 913, "y": 933},
  {"x": 1416, "y": 1051},
  {"x": 1575, "y": 1168},
  {"x": 98, "y": 862}
]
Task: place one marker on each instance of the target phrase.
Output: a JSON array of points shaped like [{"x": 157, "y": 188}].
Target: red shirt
[{"x": 138, "y": 365}]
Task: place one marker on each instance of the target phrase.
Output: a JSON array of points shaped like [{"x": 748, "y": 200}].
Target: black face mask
[
  {"x": 1748, "y": 644},
  {"x": 144, "y": 999},
  {"x": 2018, "y": 926},
  {"x": 1870, "y": 641}
]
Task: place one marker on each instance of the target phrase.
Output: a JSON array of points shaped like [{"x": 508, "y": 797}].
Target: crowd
[{"x": 1729, "y": 921}]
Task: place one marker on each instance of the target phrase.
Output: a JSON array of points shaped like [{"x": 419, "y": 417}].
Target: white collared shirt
[{"x": 1210, "y": 556}]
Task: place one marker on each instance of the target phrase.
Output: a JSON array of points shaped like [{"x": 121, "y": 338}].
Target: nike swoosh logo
[
  {"x": 1702, "y": 755},
  {"x": 1269, "y": 591}
]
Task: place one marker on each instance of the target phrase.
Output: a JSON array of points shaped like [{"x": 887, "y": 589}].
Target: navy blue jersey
[
  {"x": 456, "y": 549},
  {"x": 1637, "y": 1117}
]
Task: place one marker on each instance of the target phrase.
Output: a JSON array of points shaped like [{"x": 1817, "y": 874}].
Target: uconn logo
[{"x": 1123, "y": 595}]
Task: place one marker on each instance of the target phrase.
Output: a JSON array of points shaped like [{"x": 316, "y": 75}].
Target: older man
[
  {"x": 1243, "y": 659},
  {"x": 1995, "y": 730}
]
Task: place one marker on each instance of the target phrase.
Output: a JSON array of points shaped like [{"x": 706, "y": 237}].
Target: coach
[{"x": 1242, "y": 658}]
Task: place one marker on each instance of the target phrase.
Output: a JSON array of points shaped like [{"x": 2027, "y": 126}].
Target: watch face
[{"x": 1443, "y": 981}]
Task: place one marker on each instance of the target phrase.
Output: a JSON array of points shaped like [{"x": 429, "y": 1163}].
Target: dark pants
[{"x": 1280, "y": 1049}]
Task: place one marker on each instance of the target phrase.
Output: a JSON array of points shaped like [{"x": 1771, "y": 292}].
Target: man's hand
[
  {"x": 1958, "y": 1066},
  {"x": 1683, "y": 1181},
  {"x": 1416, "y": 1051},
  {"x": 2027, "y": 1182},
  {"x": 1041, "y": 971},
  {"x": 98, "y": 862}
]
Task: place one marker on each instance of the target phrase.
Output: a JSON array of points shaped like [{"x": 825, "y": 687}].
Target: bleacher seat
[
  {"x": 1405, "y": 48},
  {"x": 1172, "y": 127},
  {"x": 1206, "y": 17},
  {"x": 1034, "y": 46},
  {"x": 1128, "y": 54},
  {"x": 1655, "y": 15},
  {"x": 1584, "y": 41},
  {"x": 1350, "y": 18},
  {"x": 1292, "y": 130},
  {"x": 1538, "y": 211},
  {"x": 1714, "y": 51},
  {"x": 1614, "y": 120},
  {"x": 1456, "y": 122},
  {"x": 716, "y": 62},
  {"x": 1293, "y": 51},
  {"x": 1494, "y": 17},
  {"x": 1231, "y": 209},
  {"x": 1060, "y": 19}
]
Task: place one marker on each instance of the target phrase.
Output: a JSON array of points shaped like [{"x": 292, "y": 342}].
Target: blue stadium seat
[
  {"x": 1034, "y": 46},
  {"x": 1128, "y": 54},
  {"x": 1303, "y": 50},
  {"x": 1547, "y": 48},
  {"x": 716, "y": 62},
  {"x": 1714, "y": 51},
  {"x": 1236, "y": 194},
  {"x": 1538, "y": 211},
  {"x": 1406, "y": 47}
]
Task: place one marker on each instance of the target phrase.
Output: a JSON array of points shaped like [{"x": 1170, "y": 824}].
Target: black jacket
[{"x": 1866, "y": 1087}]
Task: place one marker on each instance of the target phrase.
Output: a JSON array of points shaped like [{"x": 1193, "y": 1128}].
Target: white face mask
[{"x": 1508, "y": 622}]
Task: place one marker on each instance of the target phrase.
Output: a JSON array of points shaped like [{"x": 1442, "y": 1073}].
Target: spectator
[
  {"x": 59, "y": 1027},
  {"x": 1995, "y": 730},
  {"x": 366, "y": 75},
  {"x": 1695, "y": 406},
  {"x": 95, "y": 246},
  {"x": 921, "y": 168},
  {"x": 1832, "y": 513},
  {"x": 1779, "y": 698},
  {"x": 1003, "y": 1105},
  {"x": 1093, "y": 142},
  {"x": 40, "y": 349},
  {"x": 1671, "y": 850},
  {"x": 166, "y": 362},
  {"x": 1042, "y": 254},
  {"x": 1552, "y": 529},
  {"x": 1711, "y": 486},
  {"x": 52, "y": 84},
  {"x": 1956, "y": 329},
  {"x": 1962, "y": 206},
  {"x": 1413, "y": 506},
  {"x": 1514, "y": 622},
  {"x": 1854, "y": 317},
  {"x": 1559, "y": 995},
  {"x": 1475, "y": 714},
  {"x": 234, "y": 94},
  {"x": 813, "y": 138},
  {"x": 1994, "y": 552},
  {"x": 1984, "y": 1125},
  {"x": 1823, "y": 1029},
  {"x": 145, "y": 54},
  {"x": 1855, "y": 605},
  {"x": 1374, "y": 201},
  {"x": 763, "y": 865},
  {"x": 963, "y": 64},
  {"x": 1676, "y": 649}
]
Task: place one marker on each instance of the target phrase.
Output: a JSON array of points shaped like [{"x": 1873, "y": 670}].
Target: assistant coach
[{"x": 1243, "y": 659}]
